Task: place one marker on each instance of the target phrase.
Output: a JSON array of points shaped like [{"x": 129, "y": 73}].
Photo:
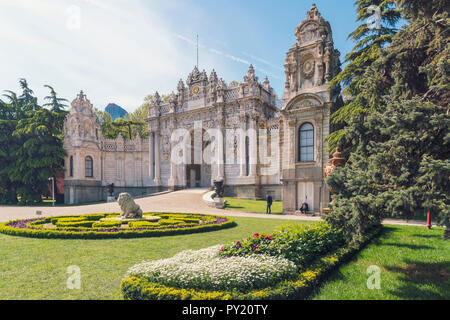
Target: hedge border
[
  {"x": 134, "y": 288},
  {"x": 113, "y": 234}
]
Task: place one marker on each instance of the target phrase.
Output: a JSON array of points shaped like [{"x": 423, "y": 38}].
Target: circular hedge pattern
[{"x": 109, "y": 225}]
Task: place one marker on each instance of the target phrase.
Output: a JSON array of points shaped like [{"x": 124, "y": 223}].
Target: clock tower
[{"x": 310, "y": 65}]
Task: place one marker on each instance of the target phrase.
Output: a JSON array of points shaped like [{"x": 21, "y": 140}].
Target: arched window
[
  {"x": 88, "y": 167},
  {"x": 306, "y": 143},
  {"x": 71, "y": 166}
]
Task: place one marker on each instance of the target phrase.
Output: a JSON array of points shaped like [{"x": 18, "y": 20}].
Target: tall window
[
  {"x": 88, "y": 167},
  {"x": 306, "y": 143},
  {"x": 71, "y": 166}
]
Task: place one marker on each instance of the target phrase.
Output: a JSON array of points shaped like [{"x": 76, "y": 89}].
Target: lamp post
[
  {"x": 52, "y": 179},
  {"x": 429, "y": 219}
]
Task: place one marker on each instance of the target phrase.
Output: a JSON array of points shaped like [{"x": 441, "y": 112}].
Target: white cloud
[{"x": 119, "y": 53}]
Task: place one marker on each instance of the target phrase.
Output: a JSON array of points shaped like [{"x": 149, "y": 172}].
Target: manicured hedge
[
  {"x": 107, "y": 224},
  {"x": 70, "y": 224},
  {"x": 34, "y": 228},
  {"x": 135, "y": 288}
]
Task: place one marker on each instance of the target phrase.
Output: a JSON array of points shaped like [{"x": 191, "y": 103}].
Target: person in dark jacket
[
  {"x": 304, "y": 209},
  {"x": 269, "y": 201}
]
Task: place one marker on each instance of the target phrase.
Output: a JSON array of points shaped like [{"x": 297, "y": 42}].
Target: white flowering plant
[{"x": 206, "y": 269}]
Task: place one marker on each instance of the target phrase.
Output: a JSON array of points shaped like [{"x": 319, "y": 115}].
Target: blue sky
[{"x": 121, "y": 50}]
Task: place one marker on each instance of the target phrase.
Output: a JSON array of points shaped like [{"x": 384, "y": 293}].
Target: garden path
[{"x": 186, "y": 201}]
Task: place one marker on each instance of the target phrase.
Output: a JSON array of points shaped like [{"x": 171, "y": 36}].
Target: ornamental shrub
[
  {"x": 70, "y": 224},
  {"x": 142, "y": 224},
  {"x": 36, "y": 228},
  {"x": 300, "y": 244},
  {"x": 107, "y": 224},
  {"x": 300, "y": 287},
  {"x": 205, "y": 269}
]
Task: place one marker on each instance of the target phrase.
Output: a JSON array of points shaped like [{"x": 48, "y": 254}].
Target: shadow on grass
[
  {"x": 408, "y": 246},
  {"x": 423, "y": 280},
  {"x": 233, "y": 207},
  {"x": 427, "y": 236}
]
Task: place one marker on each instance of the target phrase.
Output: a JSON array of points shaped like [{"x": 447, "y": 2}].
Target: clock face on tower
[{"x": 195, "y": 90}]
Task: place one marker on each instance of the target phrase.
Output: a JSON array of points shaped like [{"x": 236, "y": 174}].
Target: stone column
[
  {"x": 173, "y": 181},
  {"x": 151, "y": 153},
  {"x": 220, "y": 147},
  {"x": 253, "y": 145},
  {"x": 242, "y": 144},
  {"x": 291, "y": 144},
  {"x": 157, "y": 178}
]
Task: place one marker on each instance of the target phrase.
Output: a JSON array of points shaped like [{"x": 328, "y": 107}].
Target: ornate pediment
[
  {"x": 197, "y": 77},
  {"x": 81, "y": 105},
  {"x": 304, "y": 101},
  {"x": 313, "y": 28}
]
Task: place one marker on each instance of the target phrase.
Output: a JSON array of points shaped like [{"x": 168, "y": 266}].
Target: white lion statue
[{"x": 129, "y": 208}]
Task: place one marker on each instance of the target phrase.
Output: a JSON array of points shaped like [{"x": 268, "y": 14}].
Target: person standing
[{"x": 269, "y": 201}]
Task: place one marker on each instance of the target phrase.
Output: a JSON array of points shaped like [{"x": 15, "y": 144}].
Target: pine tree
[
  {"x": 369, "y": 43},
  {"x": 400, "y": 161},
  {"x": 31, "y": 145}
]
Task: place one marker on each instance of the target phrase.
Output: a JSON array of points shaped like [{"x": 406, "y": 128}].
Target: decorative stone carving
[
  {"x": 129, "y": 208},
  {"x": 308, "y": 68},
  {"x": 251, "y": 76}
]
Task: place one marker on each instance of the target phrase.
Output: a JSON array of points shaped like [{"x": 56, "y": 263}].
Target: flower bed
[
  {"x": 203, "y": 269},
  {"x": 91, "y": 227},
  {"x": 300, "y": 244},
  {"x": 148, "y": 284}
]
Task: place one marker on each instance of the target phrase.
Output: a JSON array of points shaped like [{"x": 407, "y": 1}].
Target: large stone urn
[{"x": 336, "y": 161}]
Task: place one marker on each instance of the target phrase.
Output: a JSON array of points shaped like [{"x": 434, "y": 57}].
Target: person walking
[{"x": 269, "y": 201}]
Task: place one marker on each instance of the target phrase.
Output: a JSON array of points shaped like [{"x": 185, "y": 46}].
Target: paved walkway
[{"x": 185, "y": 201}]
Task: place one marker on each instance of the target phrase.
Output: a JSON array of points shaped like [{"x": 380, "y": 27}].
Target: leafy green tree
[
  {"x": 108, "y": 130},
  {"x": 401, "y": 148},
  {"x": 369, "y": 44},
  {"x": 56, "y": 104},
  {"x": 402, "y": 169},
  {"x": 8, "y": 121},
  {"x": 138, "y": 118},
  {"x": 31, "y": 147},
  {"x": 41, "y": 155}
]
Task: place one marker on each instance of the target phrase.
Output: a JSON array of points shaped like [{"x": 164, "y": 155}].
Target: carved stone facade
[
  {"x": 92, "y": 162},
  {"x": 295, "y": 135},
  {"x": 310, "y": 65},
  {"x": 205, "y": 103}
]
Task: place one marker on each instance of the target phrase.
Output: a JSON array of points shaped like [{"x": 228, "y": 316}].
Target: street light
[{"x": 53, "y": 190}]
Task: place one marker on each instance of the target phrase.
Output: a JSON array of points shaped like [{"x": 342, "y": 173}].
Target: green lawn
[
  {"x": 258, "y": 206},
  {"x": 414, "y": 264},
  {"x": 36, "y": 268}
]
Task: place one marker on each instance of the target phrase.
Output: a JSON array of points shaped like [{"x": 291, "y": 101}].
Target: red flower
[
  {"x": 256, "y": 235},
  {"x": 269, "y": 238}
]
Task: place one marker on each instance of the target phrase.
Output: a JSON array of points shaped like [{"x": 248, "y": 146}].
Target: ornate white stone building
[
  {"x": 311, "y": 63},
  {"x": 92, "y": 162},
  {"x": 211, "y": 113}
]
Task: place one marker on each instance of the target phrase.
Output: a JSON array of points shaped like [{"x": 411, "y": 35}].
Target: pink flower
[
  {"x": 222, "y": 248},
  {"x": 256, "y": 235},
  {"x": 269, "y": 238}
]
